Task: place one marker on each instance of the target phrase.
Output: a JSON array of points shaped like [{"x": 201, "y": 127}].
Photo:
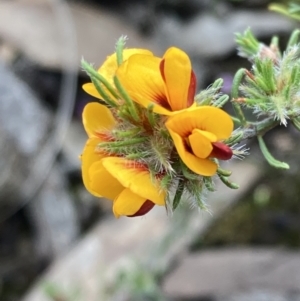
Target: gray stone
[
  {"x": 225, "y": 271},
  {"x": 29, "y": 143},
  {"x": 65, "y": 32},
  {"x": 23, "y": 124},
  {"x": 213, "y": 36},
  {"x": 73, "y": 144},
  {"x": 53, "y": 216},
  {"x": 260, "y": 295}
]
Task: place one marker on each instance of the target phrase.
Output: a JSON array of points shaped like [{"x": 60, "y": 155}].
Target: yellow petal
[
  {"x": 88, "y": 158},
  {"x": 103, "y": 183},
  {"x": 135, "y": 177},
  {"x": 90, "y": 89},
  {"x": 200, "y": 166},
  {"x": 206, "y": 118},
  {"x": 177, "y": 70},
  {"x": 141, "y": 78},
  {"x": 127, "y": 203},
  {"x": 109, "y": 67},
  {"x": 200, "y": 142},
  {"x": 97, "y": 118}
]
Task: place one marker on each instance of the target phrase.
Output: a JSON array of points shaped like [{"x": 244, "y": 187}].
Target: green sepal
[
  {"x": 296, "y": 123},
  {"x": 117, "y": 133},
  {"x": 270, "y": 159},
  {"x": 264, "y": 75},
  {"x": 195, "y": 189},
  {"x": 274, "y": 42},
  {"x": 119, "y": 49},
  {"x": 128, "y": 142},
  {"x": 165, "y": 182},
  {"x": 236, "y": 137},
  {"x": 217, "y": 84},
  {"x": 235, "y": 94},
  {"x": 160, "y": 151},
  {"x": 178, "y": 194},
  {"x": 151, "y": 116},
  {"x": 228, "y": 183},
  {"x": 106, "y": 98},
  {"x": 132, "y": 108},
  {"x": 92, "y": 73},
  {"x": 248, "y": 45},
  {"x": 295, "y": 75},
  {"x": 187, "y": 173},
  {"x": 224, "y": 172},
  {"x": 208, "y": 182},
  {"x": 235, "y": 120},
  {"x": 294, "y": 38},
  {"x": 137, "y": 155},
  {"x": 207, "y": 97},
  {"x": 221, "y": 101}
]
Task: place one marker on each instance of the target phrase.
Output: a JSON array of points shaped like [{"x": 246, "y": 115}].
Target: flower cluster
[
  {"x": 271, "y": 88},
  {"x": 149, "y": 136}
]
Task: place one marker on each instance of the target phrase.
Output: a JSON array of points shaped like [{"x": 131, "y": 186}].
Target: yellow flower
[
  {"x": 109, "y": 67},
  {"x": 196, "y": 133},
  {"x": 169, "y": 82},
  {"x": 128, "y": 183},
  {"x": 97, "y": 121}
]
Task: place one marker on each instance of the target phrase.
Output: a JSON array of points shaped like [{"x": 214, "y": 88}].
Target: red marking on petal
[
  {"x": 192, "y": 89},
  {"x": 104, "y": 136},
  {"x": 162, "y": 99},
  {"x": 146, "y": 207},
  {"x": 136, "y": 165},
  {"x": 221, "y": 151},
  {"x": 162, "y": 69}
]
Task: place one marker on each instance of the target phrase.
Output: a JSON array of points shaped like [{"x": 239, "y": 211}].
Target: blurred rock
[
  {"x": 260, "y": 295},
  {"x": 26, "y": 149},
  {"x": 7, "y": 53},
  {"x": 230, "y": 272},
  {"x": 53, "y": 216},
  {"x": 23, "y": 124},
  {"x": 46, "y": 31},
  {"x": 73, "y": 145},
  {"x": 212, "y": 36}
]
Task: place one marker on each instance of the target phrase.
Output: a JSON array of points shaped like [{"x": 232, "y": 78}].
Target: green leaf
[{"x": 270, "y": 159}]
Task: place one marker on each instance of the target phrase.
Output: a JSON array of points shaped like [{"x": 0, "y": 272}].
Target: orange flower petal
[
  {"x": 177, "y": 71},
  {"x": 90, "y": 89},
  {"x": 103, "y": 183},
  {"x": 109, "y": 67},
  {"x": 135, "y": 177},
  {"x": 88, "y": 158},
  {"x": 127, "y": 203},
  {"x": 200, "y": 166},
  {"x": 97, "y": 118},
  {"x": 146, "y": 207},
  {"x": 200, "y": 142},
  {"x": 206, "y": 118},
  {"x": 141, "y": 78}
]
